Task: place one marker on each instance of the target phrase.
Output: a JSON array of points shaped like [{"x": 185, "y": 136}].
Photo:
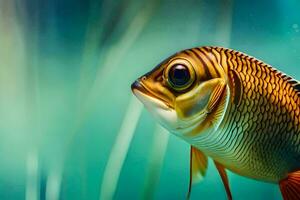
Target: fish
[{"x": 230, "y": 107}]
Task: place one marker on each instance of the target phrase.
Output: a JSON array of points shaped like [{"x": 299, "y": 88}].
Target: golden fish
[{"x": 233, "y": 108}]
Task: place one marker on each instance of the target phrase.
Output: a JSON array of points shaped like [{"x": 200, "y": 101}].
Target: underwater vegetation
[{"x": 70, "y": 126}]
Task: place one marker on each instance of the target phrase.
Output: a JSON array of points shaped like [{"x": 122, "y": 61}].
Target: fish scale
[{"x": 260, "y": 121}]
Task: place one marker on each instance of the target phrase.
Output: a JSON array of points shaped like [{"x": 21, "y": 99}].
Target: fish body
[
  {"x": 259, "y": 136},
  {"x": 229, "y": 106}
]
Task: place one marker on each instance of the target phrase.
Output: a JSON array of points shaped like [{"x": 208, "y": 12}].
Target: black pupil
[{"x": 179, "y": 75}]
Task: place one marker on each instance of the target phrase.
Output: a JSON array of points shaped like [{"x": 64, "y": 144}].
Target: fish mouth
[
  {"x": 167, "y": 114},
  {"x": 145, "y": 95}
]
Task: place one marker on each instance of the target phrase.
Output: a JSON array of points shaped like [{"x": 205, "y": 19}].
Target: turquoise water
[{"x": 70, "y": 127}]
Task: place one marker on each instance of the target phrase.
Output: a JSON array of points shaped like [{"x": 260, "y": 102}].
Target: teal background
[{"x": 65, "y": 74}]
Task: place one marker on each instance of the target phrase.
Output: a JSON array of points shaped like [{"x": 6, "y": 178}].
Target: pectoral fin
[
  {"x": 198, "y": 166},
  {"x": 290, "y": 186},
  {"x": 217, "y": 105},
  {"x": 224, "y": 178},
  {"x": 216, "y": 95}
]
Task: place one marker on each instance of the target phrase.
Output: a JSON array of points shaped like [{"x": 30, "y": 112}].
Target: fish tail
[{"x": 290, "y": 186}]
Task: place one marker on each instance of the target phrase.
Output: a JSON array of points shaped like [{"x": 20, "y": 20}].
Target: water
[{"x": 70, "y": 128}]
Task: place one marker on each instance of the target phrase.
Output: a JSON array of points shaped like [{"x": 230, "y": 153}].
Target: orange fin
[
  {"x": 198, "y": 166},
  {"x": 218, "y": 112},
  {"x": 224, "y": 178},
  {"x": 216, "y": 95},
  {"x": 290, "y": 186}
]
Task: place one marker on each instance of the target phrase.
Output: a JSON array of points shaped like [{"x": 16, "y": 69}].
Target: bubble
[{"x": 295, "y": 26}]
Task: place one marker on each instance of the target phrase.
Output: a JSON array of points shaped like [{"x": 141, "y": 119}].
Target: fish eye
[{"x": 179, "y": 76}]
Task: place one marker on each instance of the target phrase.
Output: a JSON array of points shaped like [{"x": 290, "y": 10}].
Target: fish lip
[
  {"x": 137, "y": 86},
  {"x": 140, "y": 87}
]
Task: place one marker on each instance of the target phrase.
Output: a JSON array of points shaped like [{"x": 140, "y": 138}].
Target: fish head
[{"x": 182, "y": 92}]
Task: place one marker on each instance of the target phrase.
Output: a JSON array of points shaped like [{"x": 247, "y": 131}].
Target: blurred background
[{"x": 70, "y": 127}]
